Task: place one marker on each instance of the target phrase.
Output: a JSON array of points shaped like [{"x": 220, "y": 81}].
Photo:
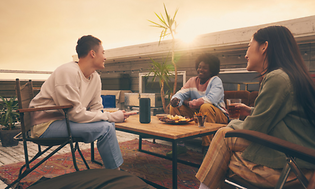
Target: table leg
[
  {"x": 140, "y": 143},
  {"x": 174, "y": 165}
]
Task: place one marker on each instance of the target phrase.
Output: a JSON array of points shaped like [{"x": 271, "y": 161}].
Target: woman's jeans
[{"x": 102, "y": 131}]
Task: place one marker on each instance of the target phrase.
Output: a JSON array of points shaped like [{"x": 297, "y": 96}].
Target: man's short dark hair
[
  {"x": 211, "y": 60},
  {"x": 87, "y": 43}
]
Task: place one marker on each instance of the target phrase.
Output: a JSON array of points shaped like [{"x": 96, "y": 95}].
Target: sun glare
[
  {"x": 187, "y": 36},
  {"x": 190, "y": 29}
]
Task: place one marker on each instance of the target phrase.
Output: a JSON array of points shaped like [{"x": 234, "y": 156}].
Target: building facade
[{"x": 124, "y": 64}]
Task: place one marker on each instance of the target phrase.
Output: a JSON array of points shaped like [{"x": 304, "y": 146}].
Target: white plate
[{"x": 161, "y": 115}]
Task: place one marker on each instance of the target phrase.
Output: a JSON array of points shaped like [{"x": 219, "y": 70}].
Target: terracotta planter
[{"x": 7, "y": 137}]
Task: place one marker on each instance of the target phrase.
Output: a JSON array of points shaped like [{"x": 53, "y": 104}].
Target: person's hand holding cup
[{"x": 234, "y": 112}]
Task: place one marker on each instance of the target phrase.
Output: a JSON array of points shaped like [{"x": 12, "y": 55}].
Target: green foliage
[
  {"x": 167, "y": 25},
  {"x": 161, "y": 71},
  {"x": 8, "y": 115}
]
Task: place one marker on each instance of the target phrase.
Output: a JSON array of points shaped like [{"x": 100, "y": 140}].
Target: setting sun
[
  {"x": 53, "y": 35},
  {"x": 189, "y": 29}
]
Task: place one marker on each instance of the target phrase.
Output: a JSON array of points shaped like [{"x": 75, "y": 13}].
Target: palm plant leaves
[
  {"x": 8, "y": 114},
  {"x": 161, "y": 71},
  {"x": 168, "y": 26}
]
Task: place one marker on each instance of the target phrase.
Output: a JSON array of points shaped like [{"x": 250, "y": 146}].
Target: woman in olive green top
[{"x": 284, "y": 108}]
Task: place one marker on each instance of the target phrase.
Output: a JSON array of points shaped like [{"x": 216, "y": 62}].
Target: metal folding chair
[
  {"x": 25, "y": 94},
  {"x": 291, "y": 150}
]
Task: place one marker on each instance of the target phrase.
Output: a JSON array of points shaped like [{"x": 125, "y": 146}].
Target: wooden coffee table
[{"x": 173, "y": 133}]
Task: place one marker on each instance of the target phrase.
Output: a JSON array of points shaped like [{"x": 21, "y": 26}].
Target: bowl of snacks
[{"x": 175, "y": 120}]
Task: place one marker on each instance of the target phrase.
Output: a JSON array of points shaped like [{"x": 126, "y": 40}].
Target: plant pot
[{"x": 7, "y": 139}]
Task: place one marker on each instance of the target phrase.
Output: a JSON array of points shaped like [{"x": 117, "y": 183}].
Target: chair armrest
[
  {"x": 18, "y": 136},
  {"x": 289, "y": 148},
  {"x": 311, "y": 183},
  {"x": 44, "y": 108}
]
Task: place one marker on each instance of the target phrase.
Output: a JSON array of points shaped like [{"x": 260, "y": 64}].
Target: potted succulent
[{"x": 8, "y": 121}]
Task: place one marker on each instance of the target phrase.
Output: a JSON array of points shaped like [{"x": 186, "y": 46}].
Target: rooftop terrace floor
[{"x": 9, "y": 155}]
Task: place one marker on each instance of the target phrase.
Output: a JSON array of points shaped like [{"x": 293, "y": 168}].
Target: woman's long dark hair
[{"x": 283, "y": 52}]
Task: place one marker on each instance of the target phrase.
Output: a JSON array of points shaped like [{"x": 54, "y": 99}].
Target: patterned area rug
[{"x": 154, "y": 169}]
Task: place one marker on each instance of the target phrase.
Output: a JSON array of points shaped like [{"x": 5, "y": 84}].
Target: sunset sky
[{"x": 42, "y": 34}]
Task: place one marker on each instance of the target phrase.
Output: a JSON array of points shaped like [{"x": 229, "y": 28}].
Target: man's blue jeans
[{"x": 102, "y": 131}]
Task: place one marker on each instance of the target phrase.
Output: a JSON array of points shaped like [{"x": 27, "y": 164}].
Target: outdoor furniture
[
  {"x": 173, "y": 133},
  {"x": 291, "y": 150},
  {"x": 247, "y": 97},
  {"x": 25, "y": 94},
  {"x": 244, "y": 95},
  {"x": 93, "y": 178}
]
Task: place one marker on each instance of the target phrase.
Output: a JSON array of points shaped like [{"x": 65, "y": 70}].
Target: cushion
[{"x": 93, "y": 178}]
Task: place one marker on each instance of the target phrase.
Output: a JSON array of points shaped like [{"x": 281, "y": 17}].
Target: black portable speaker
[{"x": 145, "y": 110}]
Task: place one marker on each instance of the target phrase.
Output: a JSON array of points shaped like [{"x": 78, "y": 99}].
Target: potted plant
[
  {"x": 161, "y": 71},
  {"x": 168, "y": 26},
  {"x": 8, "y": 120}
]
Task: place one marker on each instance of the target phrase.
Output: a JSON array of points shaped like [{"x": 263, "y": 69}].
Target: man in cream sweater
[{"x": 78, "y": 84}]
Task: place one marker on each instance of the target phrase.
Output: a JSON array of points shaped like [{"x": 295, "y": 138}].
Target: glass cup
[
  {"x": 200, "y": 120},
  {"x": 234, "y": 113}
]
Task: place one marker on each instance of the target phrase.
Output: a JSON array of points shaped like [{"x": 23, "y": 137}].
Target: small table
[{"x": 173, "y": 133}]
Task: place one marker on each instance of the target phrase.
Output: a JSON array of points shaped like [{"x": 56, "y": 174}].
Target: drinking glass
[
  {"x": 234, "y": 113},
  {"x": 200, "y": 120}
]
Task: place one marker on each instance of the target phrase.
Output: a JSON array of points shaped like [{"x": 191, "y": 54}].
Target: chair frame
[
  {"x": 291, "y": 150},
  {"x": 48, "y": 142}
]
